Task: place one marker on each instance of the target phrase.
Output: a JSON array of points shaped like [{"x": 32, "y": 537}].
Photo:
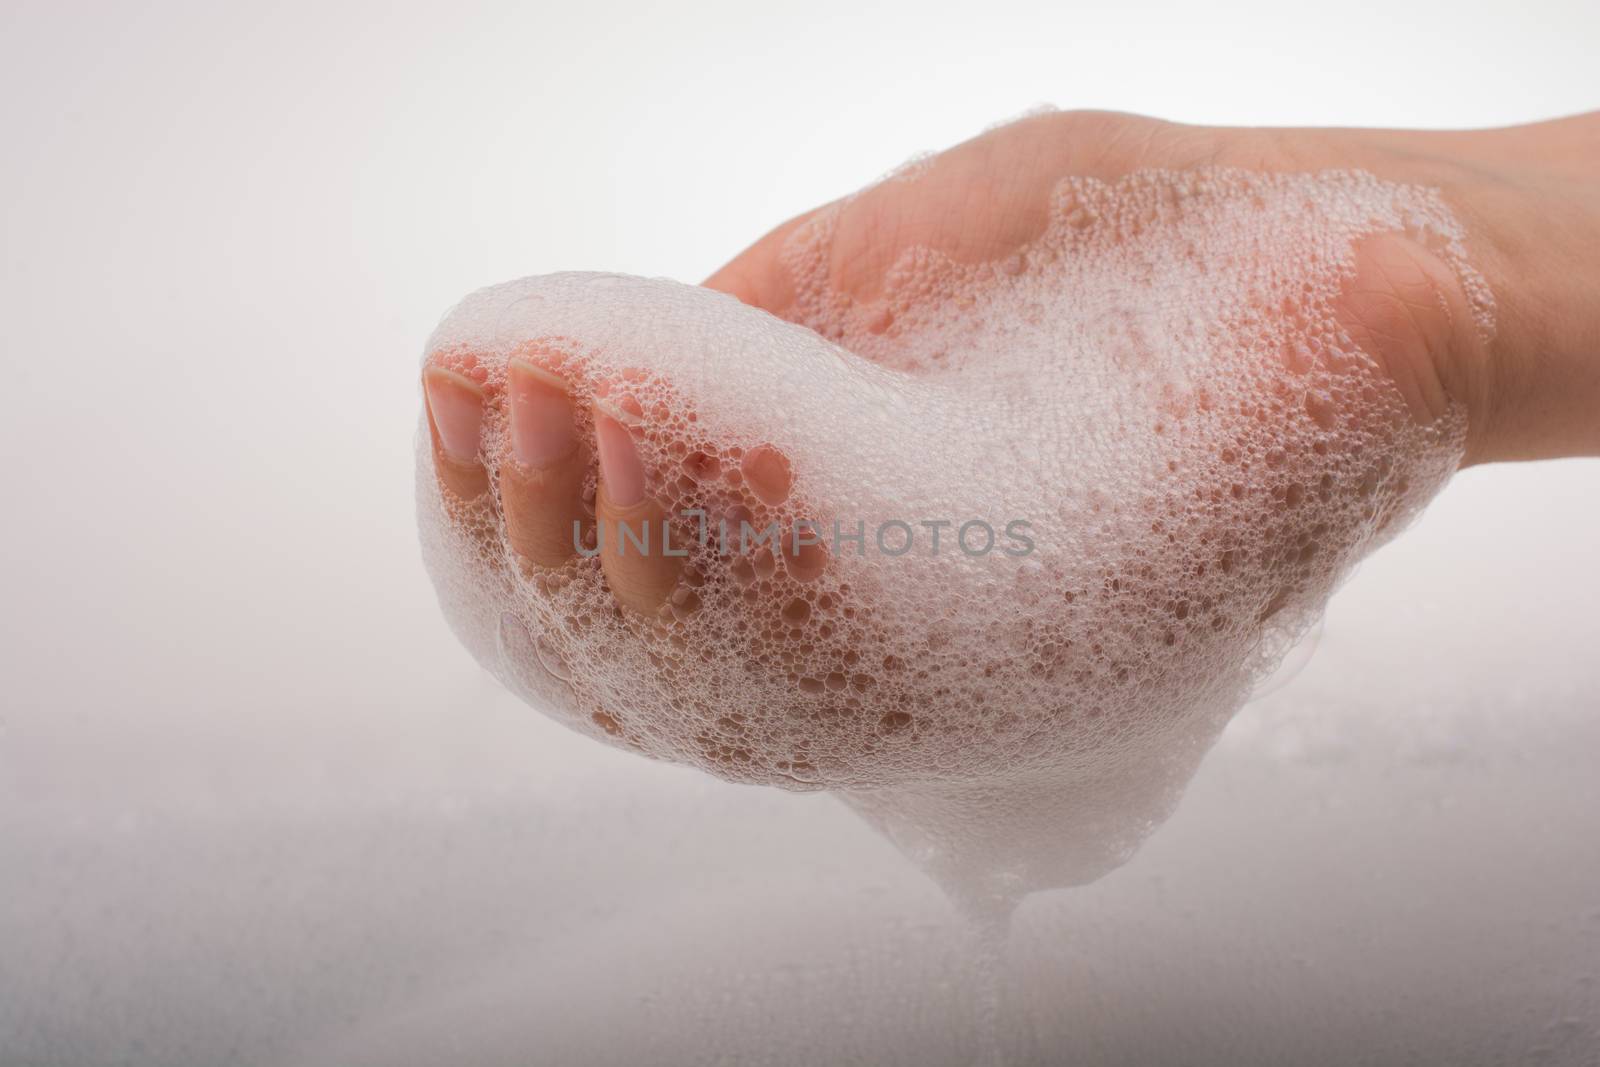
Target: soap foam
[{"x": 1156, "y": 386}]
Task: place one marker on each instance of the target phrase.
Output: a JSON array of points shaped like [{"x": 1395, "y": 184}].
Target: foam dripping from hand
[{"x": 1157, "y": 386}]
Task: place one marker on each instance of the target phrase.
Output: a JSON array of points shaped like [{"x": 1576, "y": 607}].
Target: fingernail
[
  {"x": 621, "y": 470},
  {"x": 542, "y": 430},
  {"x": 456, "y": 403}
]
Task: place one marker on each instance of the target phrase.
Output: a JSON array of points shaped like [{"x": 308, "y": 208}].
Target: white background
[{"x": 254, "y": 798}]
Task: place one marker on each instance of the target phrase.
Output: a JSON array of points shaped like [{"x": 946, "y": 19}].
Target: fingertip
[
  {"x": 621, "y": 470},
  {"x": 641, "y": 564},
  {"x": 455, "y": 406},
  {"x": 541, "y": 489},
  {"x": 757, "y": 276},
  {"x": 542, "y": 426}
]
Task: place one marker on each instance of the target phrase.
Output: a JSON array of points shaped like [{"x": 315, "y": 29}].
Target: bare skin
[{"x": 1529, "y": 197}]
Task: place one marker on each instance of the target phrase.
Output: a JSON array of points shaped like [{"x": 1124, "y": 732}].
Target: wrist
[{"x": 1529, "y": 197}]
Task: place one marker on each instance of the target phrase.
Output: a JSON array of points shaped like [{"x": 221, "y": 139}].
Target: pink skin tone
[
  {"x": 1530, "y": 197},
  {"x": 542, "y": 427},
  {"x": 620, "y": 467}
]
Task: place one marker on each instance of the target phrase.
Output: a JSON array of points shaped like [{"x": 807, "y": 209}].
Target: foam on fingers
[{"x": 1036, "y": 525}]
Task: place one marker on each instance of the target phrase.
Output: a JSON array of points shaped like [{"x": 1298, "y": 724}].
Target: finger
[
  {"x": 455, "y": 420},
  {"x": 634, "y": 549},
  {"x": 541, "y": 486},
  {"x": 757, "y": 275},
  {"x": 979, "y": 201}
]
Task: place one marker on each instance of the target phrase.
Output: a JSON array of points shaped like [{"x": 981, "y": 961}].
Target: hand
[{"x": 1528, "y": 195}]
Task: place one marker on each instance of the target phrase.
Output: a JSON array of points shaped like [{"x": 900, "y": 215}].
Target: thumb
[{"x": 757, "y": 275}]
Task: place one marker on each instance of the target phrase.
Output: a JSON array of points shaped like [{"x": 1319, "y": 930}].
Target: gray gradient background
[{"x": 257, "y": 807}]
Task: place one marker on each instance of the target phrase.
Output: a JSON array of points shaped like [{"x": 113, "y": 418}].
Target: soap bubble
[{"x": 1156, "y": 388}]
